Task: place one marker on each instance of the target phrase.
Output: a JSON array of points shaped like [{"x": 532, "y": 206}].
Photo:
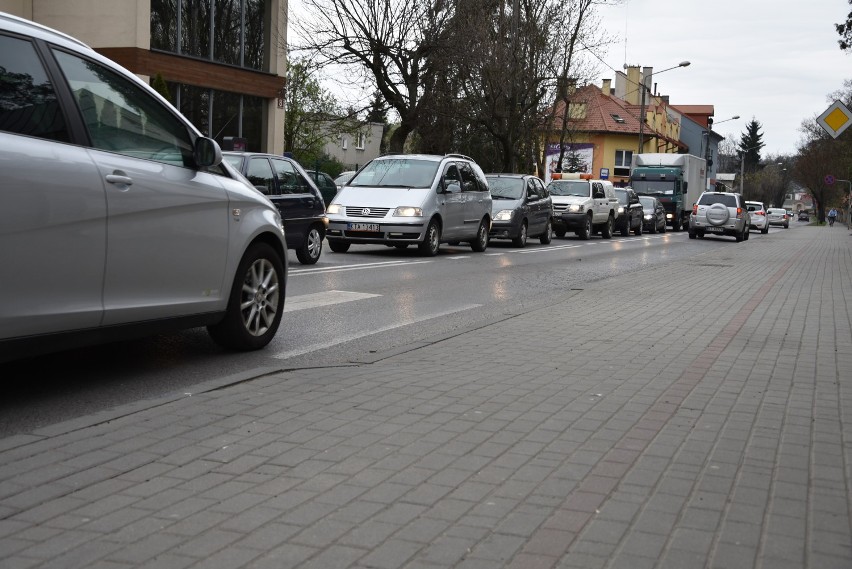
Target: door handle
[{"x": 119, "y": 178}]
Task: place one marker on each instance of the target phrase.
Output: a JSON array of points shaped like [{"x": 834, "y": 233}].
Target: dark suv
[{"x": 295, "y": 195}]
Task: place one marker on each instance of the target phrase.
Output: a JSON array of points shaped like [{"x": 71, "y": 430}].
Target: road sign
[
  {"x": 829, "y": 179},
  {"x": 835, "y": 119},
  {"x": 604, "y": 173}
]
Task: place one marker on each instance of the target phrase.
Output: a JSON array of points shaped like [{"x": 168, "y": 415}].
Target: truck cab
[{"x": 665, "y": 184}]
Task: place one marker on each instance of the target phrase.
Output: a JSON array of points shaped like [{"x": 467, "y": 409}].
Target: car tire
[
  {"x": 765, "y": 230},
  {"x": 606, "y": 230},
  {"x": 676, "y": 223},
  {"x": 653, "y": 229},
  {"x": 310, "y": 251},
  {"x": 638, "y": 230},
  {"x": 741, "y": 235},
  {"x": 692, "y": 234},
  {"x": 480, "y": 244},
  {"x": 256, "y": 302},
  {"x": 585, "y": 232},
  {"x": 547, "y": 236},
  {"x": 747, "y": 236},
  {"x": 625, "y": 230},
  {"x": 431, "y": 240},
  {"x": 521, "y": 240},
  {"x": 663, "y": 228},
  {"x": 560, "y": 233},
  {"x": 786, "y": 226},
  {"x": 338, "y": 246}
]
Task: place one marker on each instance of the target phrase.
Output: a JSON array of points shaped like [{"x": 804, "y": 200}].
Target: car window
[
  {"x": 622, "y": 196},
  {"x": 28, "y": 103},
  {"x": 260, "y": 175},
  {"x": 503, "y": 187},
  {"x": 289, "y": 179},
  {"x": 729, "y": 200},
  {"x": 122, "y": 117},
  {"x": 570, "y": 188},
  {"x": 470, "y": 182},
  {"x": 233, "y": 160},
  {"x": 647, "y": 202},
  {"x": 397, "y": 173}
]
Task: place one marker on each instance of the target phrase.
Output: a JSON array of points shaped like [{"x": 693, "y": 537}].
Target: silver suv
[
  {"x": 719, "y": 213},
  {"x": 412, "y": 199},
  {"x": 121, "y": 219}
]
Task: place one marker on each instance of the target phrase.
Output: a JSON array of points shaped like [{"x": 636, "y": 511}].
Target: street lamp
[
  {"x": 733, "y": 118},
  {"x": 742, "y": 167},
  {"x": 642, "y": 105}
]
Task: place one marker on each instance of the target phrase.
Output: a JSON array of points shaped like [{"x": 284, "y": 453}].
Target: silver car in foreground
[
  {"x": 120, "y": 219},
  {"x": 719, "y": 213}
]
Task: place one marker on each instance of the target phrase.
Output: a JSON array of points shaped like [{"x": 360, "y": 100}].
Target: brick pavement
[{"x": 555, "y": 438}]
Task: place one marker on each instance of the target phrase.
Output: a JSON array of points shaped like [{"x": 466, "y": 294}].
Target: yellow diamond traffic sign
[{"x": 835, "y": 119}]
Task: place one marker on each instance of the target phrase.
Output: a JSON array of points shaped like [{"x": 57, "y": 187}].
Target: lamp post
[
  {"x": 642, "y": 88},
  {"x": 733, "y": 118},
  {"x": 742, "y": 168}
]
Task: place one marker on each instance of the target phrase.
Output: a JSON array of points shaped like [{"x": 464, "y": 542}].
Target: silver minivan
[
  {"x": 120, "y": 219},
  {"x": 412, "y": 199}
]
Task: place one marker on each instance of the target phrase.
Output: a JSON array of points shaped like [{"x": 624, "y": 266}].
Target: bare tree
[{"x": 386, "y": 43}]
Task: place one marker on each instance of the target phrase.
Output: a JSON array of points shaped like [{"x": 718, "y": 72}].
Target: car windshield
[
  {"x": 653, "y": 188},
  {"x": 646, "y": 202},
  {"x": 728, "y": 200},
  {"x": 506, "y": 188},
  {"x": 622, "y": 196},
  {"x": 570, "y": 188},
  {"x": 397, "y": 173}
]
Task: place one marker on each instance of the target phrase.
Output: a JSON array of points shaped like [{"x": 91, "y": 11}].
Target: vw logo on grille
[{"x": 365, "y": 211}]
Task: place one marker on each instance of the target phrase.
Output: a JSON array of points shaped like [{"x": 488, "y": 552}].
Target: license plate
[
  {"x": 714, "y": 230},
  {"x": 362, "y": 227}
]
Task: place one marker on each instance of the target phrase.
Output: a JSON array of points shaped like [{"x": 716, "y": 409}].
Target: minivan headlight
[
  {"x": 408, "y": 211},
  {"x": 503, "y": 215},
  {"x": 575, "y": 208},
  {"x": 333, "y": 208}
]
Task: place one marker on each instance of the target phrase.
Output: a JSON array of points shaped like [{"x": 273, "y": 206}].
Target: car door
[
  {"x": 299, "y": 203},
  {"x": 600, "y": 203},
  {"x": 477, "y": 198},
  {"x": 536, "y": 201},
  {"x": 451, "y": 202},
  {"x": 53, "y": 233},
  {"x": 167, "y": 235}
]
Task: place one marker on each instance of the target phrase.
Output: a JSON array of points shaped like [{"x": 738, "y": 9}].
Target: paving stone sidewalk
[{"x": 707, "y": 423}]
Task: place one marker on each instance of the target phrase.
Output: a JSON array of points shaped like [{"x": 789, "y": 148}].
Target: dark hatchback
[
  {"x": 654, "y": 219},
  {"x": 295, "y": 195},
  {"x": 325, "y": 183},
  {"x": 630, "y": 212},
  {"x": 520, "y": 208}
]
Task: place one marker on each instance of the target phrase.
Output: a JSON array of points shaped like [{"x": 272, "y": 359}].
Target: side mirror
[{"x": 206, "y": 152}]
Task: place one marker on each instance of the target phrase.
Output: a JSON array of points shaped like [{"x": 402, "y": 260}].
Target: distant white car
[
  {"x": 757, "y": 214},
  {"x": 778, "y": 216}
]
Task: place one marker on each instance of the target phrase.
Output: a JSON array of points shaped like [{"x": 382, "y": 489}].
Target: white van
[
  {"x": 404, "y": 199},
  {"x": 583, "y": 205}
]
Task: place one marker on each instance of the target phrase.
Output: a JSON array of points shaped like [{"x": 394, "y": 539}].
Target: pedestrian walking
[{"x": 832, "y": 215}]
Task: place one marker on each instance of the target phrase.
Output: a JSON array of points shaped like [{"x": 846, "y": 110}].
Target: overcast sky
[{"x": 776, "y": 61}]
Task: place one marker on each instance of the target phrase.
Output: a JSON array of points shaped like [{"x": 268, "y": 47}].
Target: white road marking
[
  {"x": 342, "y": 339},
  {"x": 327, "y": 298},
  {"x": 334, "y": 269}
]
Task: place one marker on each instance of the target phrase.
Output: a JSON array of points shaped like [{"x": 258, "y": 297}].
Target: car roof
[{"x": 33, "y": 29}]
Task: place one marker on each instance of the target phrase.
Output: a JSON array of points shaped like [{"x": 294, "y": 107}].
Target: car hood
[
  {"x": 570, "y": 199},
  {"x": 365, "y": 196},
  {"x": 498, "y": 204}
]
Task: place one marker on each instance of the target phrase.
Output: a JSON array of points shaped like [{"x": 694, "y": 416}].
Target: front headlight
[
  {"x": 575, "y": 208},
  {"x": 407, "y": 211},
  {"x": 503, "y": 215},
  {"x": 648, "y": 216},
  {"x": 620, "y": 209},
  {"x": 333, "y": 208}
]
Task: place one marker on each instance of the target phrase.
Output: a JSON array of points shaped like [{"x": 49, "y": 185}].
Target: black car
[
  {"x": 654, "y": 219},
  {"x": 630, "y": 212},
  {"x": 325, "y": 183},
  {"x": 295, "y": 195},
  {"x": 520, "y": 208},
  {"x": 803, "y": 216}
]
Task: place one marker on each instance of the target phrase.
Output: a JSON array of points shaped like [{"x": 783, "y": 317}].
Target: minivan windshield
[
  {"x": 507, "y": 188},
  {"x": 397, "y": 173},
  {"x": 570, "y": 188}
]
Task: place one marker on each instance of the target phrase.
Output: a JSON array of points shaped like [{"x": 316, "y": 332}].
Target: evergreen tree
[
  {"x": 160, "y": 86},
  {"x": 751, "y": 143}
]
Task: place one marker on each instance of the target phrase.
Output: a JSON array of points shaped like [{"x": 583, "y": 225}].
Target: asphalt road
[{"x": 341, "y": 310}]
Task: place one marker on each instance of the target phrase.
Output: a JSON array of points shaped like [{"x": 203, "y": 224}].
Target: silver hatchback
[{"x": 121, "y": 219}]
